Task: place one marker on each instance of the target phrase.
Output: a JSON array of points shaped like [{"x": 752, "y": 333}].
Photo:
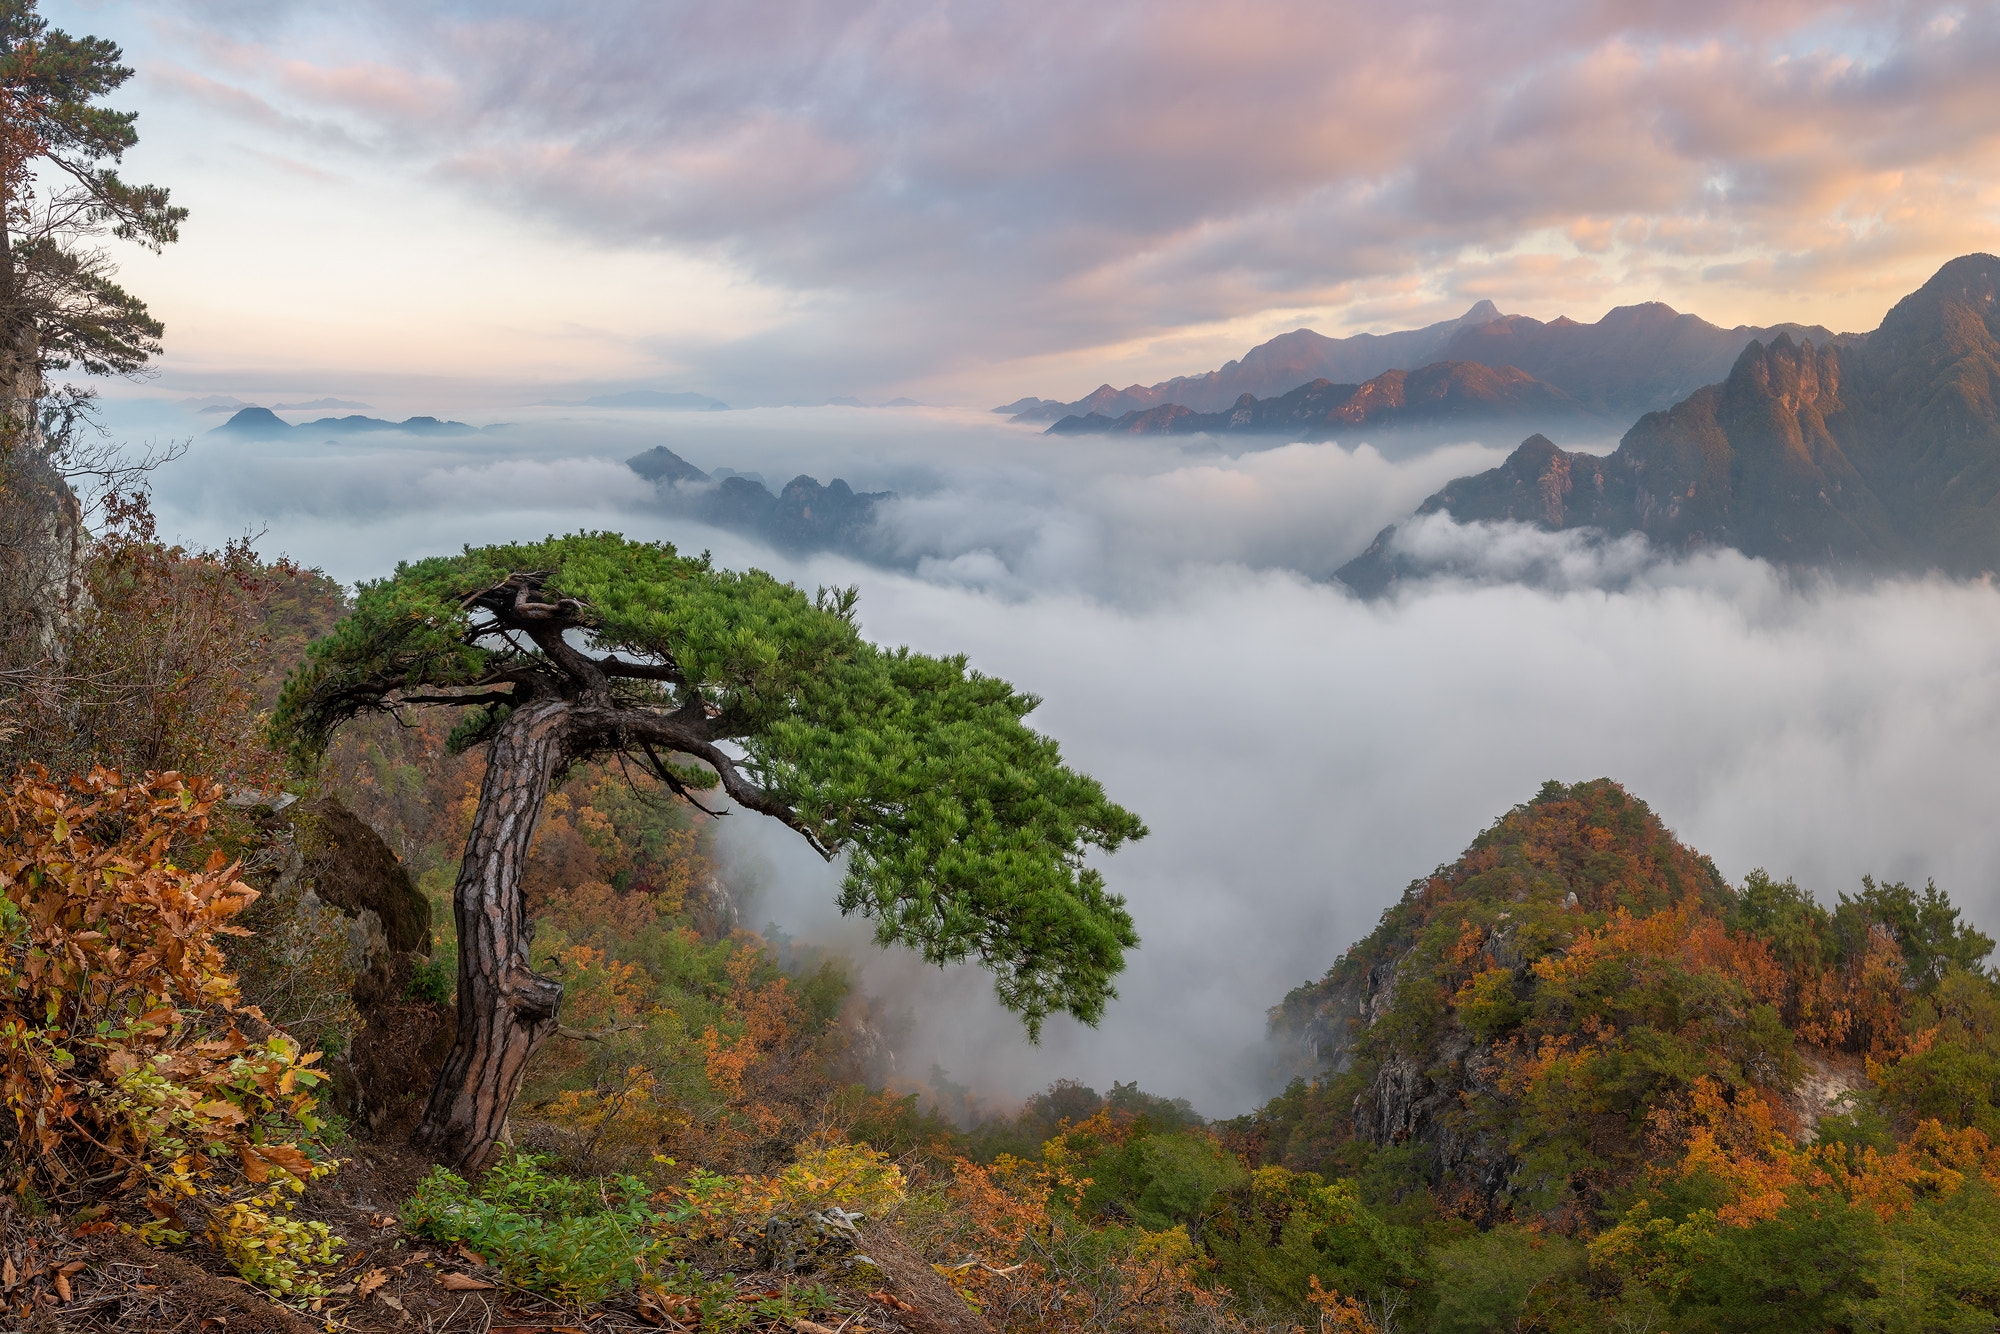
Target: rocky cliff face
[
  {"x": 339, "y": 933},
  {"x": 1636, "y": 359},
  {"x": 41, "y": 556}
]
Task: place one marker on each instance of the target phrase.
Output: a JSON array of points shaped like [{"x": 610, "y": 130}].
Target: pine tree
[
  {"x": 964, "y": 834},
  {"x": 58, "y": 304}
]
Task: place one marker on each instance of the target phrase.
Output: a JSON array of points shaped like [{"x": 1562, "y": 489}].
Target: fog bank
[{"x": 1299, "y": 755}]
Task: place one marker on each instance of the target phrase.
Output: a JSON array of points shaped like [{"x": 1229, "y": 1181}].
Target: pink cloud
[{"x": 1012, "y": 178}]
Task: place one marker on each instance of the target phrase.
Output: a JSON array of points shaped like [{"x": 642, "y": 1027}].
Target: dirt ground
[{"x": 95, "y": 1280}]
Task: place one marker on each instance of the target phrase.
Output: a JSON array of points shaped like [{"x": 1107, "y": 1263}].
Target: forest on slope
[{"x": 1573, "y": 1081}]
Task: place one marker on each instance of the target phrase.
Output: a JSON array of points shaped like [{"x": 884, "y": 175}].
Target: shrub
[
  {"x": 1033, "y": 1263},
  {"x": 852, "y": 1177},
  {"x": 121, "y": 1056},
  {"x": 571, "y": 1239}
]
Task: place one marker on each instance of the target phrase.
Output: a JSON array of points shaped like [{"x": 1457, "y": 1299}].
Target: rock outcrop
[{"x": 340, "y": 933}]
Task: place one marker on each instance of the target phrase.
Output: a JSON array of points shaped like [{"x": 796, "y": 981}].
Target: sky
[
  {"x": 472, "y": 210},
  {"x": 775, "y": 201}
]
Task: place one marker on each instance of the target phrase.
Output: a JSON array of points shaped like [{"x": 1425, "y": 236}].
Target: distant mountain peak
[
  {"x": 264, "y": 424},
  {"x": 1634, "y": 360},
  {"x": 1876, "y": 452}
]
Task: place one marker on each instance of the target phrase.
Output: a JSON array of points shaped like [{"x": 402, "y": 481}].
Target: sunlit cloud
[{"x": 943, "y": 196}]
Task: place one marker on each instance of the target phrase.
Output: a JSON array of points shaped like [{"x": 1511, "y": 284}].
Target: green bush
[
  {"x": 435, "y": 979},
  {"x": 570, "y": 1239},
  {"x": 1508, "y": 1278}
]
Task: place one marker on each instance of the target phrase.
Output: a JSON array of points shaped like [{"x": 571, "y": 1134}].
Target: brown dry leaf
[
  {"x": 370, "y": 1281},
  {"x": 62, "y": 1287},
  {"x": 253, "y": 1164},
  {"x": 9, "y": 1275},
  {"x": 470, "y": 1254},
  {"x": 73, "y": 1267},
  {"x": 389, "y": 1301},
  {"x": 461, "y": 1283},
  {"x": 287, "y": 1157},
  {"x": 805, "y": 1326},
  {"x": 891, "y": 1301}
]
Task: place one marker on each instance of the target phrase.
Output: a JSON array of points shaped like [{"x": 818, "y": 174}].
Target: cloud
[
  {"x": 944, "y": 189},
  {"x": 1299, "y": 755}
]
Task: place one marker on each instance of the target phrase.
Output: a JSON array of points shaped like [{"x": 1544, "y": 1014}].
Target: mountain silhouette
[
  {"x": 1878, "y": 452},
  {"x": 1634, "y": 360},
  {"x": 1445, "y": 393}
]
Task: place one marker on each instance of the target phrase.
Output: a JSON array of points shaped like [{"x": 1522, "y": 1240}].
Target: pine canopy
[{"x": 965, "y": 835}]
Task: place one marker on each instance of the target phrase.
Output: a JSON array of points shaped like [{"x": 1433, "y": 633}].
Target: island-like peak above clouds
[
  {"x": 1872, "y": 452},
  {"x": 803, "y": 517},
  {"x": 1636, "y": 359}
]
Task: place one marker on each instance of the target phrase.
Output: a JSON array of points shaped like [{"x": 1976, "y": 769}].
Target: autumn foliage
[{"x": 124, "y": 1056}]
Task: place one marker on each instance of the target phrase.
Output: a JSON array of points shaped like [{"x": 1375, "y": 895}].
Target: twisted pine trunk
[{"x": 505, "y": 1009}]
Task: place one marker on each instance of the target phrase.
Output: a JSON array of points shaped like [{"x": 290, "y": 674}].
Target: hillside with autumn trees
[{"x": 1574, "y": 1081}]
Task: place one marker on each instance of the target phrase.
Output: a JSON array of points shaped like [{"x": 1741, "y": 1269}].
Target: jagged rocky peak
[{"x": 1794, "y": 374}]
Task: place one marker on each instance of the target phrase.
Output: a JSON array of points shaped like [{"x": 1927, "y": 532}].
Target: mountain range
[
  {"x": 1876, "y": 452},
  {"x": 802, "y": 517},
  {"x": 1442, "y": 394},
  {"x": 1634, "y": 360},
  {"x": 264, "y": 424}
]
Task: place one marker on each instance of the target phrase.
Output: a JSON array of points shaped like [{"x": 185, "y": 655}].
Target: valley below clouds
[{"x": 1299, "y": 754}]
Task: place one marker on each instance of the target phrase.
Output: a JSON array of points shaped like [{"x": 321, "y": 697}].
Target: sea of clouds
[{"x": 1300, "y": 755}]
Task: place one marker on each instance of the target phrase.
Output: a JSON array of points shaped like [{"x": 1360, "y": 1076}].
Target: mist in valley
[{"x": 1299, "y": 755}]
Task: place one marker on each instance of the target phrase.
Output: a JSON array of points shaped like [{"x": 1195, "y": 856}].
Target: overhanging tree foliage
[
  {"x": 964, "y": 833},
  {"x": 58, "y": 304}
]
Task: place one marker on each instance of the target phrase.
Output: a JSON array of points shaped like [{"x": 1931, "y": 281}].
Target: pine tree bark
[{"x": 505, "y": 1009}]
